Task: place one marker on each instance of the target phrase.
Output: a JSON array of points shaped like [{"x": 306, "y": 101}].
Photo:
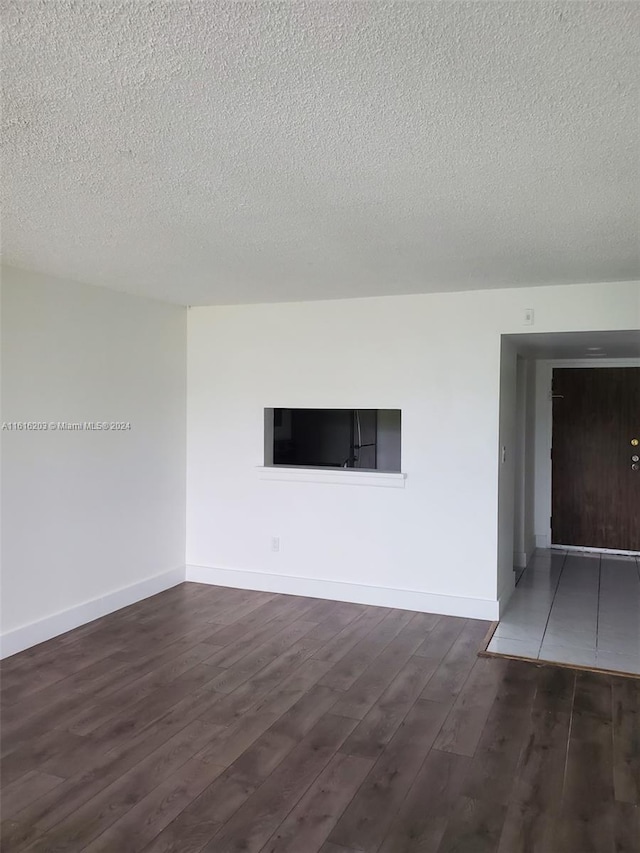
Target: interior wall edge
[{"x": 26, "y": 636}]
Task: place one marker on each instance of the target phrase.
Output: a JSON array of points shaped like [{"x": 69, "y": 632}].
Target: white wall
[
  {"x": 542, "y": 477},
  {"x": 433, "y": 544},
  {"x": 519, "y": 452},
  {"x": 529, "y": 460},
  {"x": 508, "y": 447},
  {"x": 523, "y": 531},
  {"x": 91, "y": 520}
]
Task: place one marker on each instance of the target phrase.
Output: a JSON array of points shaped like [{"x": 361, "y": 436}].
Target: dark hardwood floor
[{"x": 227, "y": 721}]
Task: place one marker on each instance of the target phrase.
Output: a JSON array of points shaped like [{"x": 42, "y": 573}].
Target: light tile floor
[{"x": 575, "y": 608}]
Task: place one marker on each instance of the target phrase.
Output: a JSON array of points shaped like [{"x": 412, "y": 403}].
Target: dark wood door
[{"x": 595, "y": 489}]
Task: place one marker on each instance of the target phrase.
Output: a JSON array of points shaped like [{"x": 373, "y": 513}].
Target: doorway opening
[{"x": 569, "y": 412}]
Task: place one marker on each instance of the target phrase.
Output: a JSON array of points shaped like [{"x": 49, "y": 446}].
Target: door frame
[{"x": 544, "y": 438}]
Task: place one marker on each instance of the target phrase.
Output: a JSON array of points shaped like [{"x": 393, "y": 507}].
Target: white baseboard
[
  {"x": 520, "y": 559},
  {"x": 379, "y": 596},
  {"x": 26, "y": 636},
  {"x": 543, "y": 540}
]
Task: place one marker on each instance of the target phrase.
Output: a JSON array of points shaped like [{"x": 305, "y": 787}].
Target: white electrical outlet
[
  {"x": 275, "y": 543},
  {"x": 527, "y": 317}
]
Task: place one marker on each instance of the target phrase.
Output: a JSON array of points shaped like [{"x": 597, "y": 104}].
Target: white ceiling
[{"x": 239, "y": 152}]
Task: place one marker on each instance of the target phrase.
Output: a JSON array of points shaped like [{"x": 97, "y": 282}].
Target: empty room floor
[
  {"x": 221, "y": 720},
  {"x": 575, "y": 608}
]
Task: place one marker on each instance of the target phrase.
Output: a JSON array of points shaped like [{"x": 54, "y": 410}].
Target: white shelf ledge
[{"x": 333, "y": 476}]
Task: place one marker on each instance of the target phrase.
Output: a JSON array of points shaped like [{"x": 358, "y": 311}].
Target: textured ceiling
[{"x": 239, "y": 152}]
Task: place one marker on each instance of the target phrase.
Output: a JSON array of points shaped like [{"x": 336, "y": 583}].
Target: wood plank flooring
[{"x": 211, "y": 720}]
